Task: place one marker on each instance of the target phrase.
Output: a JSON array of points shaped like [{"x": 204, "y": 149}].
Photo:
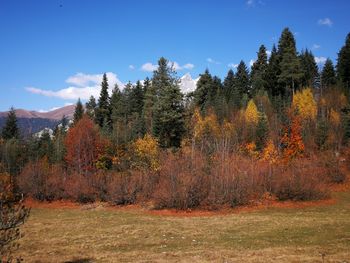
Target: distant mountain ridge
[
  {"x": 30, "y": 122},
  {"x": 56, "y": 114}
]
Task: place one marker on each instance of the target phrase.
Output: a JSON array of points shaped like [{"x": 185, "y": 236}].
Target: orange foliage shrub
[
  {"x": 292, "y": 138},
  {"x": 42, "y": 181},
  {"x": 300, "y": 180},
  {"x": 84, "y": 145}
]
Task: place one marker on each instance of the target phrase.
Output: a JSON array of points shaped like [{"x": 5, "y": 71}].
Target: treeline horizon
[{"x": 280, "y": 129}]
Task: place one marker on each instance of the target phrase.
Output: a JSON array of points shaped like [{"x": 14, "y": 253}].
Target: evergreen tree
[
  {"x": 309, "y": 68},
  {"x": 262, "y": 131},
  {"x": 272, "y": 72},
  {"x": 10, "y": 130},
  {"x": 321, "y": 133},
  {"x": 90, "y": 107},
  {"x": 137, "y": 98},
  {"x": 328, "y": 77},
  {"x": 116, "y": 104},
  {"x": 343, "y": 65},
  {"x": 242, "y": 82},
  {"x": 229, "y": 86},
  {"x": 79, "y": 112},
  {"x": 136, "y": 104},
  {"x": 150, "y": 99},
  {"x": 120, "y": 115},
  {"x": 289, "y": 64},
  {"x": 346, "y": 125},
  {"x": 169, "y": 110},
  {"x": 45, "y": 146},
  {"x": 217, "y": 98},
  {"x": 103, "y": 112},
  {"x": 203, "y": 90},
  {"x": 258, "y": 74}
]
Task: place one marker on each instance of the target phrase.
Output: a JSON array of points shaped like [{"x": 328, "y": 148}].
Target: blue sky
[{"x": 52, "y": 51}]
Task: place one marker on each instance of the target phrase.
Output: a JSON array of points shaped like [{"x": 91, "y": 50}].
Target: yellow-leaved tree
[
  {"x": 206, "y": 130},
  {"x": 146, "y": 153},
  {"x": 251, "y": 113},
  {"x": 305, "y": 103}
]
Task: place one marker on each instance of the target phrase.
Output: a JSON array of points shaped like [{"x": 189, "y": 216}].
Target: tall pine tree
[
  {"x": 242, "y": 83},
  {"x": 103, "y": 111},
  {"x": 258, "y": 74},
  {"x": 169, "y": 110},
  {"x": 291, "y": 72},
  {"x": 150, "y": 99},
  {"x": 10, "y": 130},
  {"x": 343, "y": 65},
  {"x": 90, "y": 107},
  {"x": 78, "y": 113},
  {"x": 328, "y": 77},
  {"x": 309, "y": 68},
  {"x": 203, "y": 91},
  {"x": 272, "y": 72}
]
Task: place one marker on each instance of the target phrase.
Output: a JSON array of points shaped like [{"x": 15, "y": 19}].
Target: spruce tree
[
  {"x": 309, "y": 68},
  {"x": 137, "y": 98},
  {"x": 229, "y": 85},
  {"x": 291, "y": 72},
  {"x": 150, "y": 99},
  {"x": 136, "y": 103},
  {"x": 169, "y": 110},
  {"x": 116, "y": 104},
  {"x": 272, "y": 72},
  {"x": 258, "y": 74},
  {"x": 79, "y": 112},
  {"x": 262, "y": 131},
  {"x": 10, "y": 130},
  {"x": 90, "y": 107},
  {"x": 203, "y": 90},
  {"x": 242, "y": 81},
  {"x": 328, "y": 77},
  {"x": 103, "y": 112},
  {"x": 321, "y": 133},
  {"x": 343, "y": 65},
  {"x": 217, "y": 98}
]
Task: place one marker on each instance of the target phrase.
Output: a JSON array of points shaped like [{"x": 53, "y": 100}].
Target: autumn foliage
[
  {"x": 292, "y": 141},
  {"x": 84, "y": 145}
]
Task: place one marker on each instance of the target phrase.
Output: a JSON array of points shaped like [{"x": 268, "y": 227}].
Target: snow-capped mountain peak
[{"x": 187, "y": 83}]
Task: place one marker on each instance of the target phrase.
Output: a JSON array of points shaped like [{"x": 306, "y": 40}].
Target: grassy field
[{"x": 121, "y": 235}]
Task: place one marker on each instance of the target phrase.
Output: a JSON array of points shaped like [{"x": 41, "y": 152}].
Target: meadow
[{"x": 294, "y": 232}]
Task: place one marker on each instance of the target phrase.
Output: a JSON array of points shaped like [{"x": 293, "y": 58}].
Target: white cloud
[
  {"x": 188, "y": 66},
  {"x": 320, "y": 60},
  {"x": 70, "y": 93},
  {"x": 315, "y": 46},
  {"x": 268, "y": 53},
  {"x": 83, "y": 80},
  {"x": 232, "y": 65},
  {"x": 250, "y": 3},
  {"x": 132, "y": 67},
  {"x": 212, "y": 61},
  {"x": 149, "y": 67},
  {"x": 253, "y": 3},
  {"x": 251, "y": 62},
  {"x": 325, "y": 22},
  {"x": 177, "y": 66},
  {"x": 85, "y": 85},
  {"x": 52, "y": 109}
]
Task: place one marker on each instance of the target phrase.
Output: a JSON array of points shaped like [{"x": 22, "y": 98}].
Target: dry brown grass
[{"x": 100, "y": 234}]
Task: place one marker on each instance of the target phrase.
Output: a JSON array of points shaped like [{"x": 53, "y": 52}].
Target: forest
[{"x": 279, "y": 130}]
